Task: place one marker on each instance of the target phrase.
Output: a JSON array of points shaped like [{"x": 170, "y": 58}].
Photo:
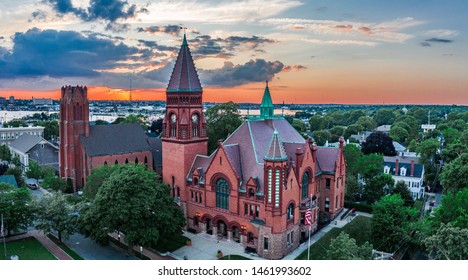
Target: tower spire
[{"x": 267, "y": 108}]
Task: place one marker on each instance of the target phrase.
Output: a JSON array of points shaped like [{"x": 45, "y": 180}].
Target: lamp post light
[{"x": 141, "y": 252}]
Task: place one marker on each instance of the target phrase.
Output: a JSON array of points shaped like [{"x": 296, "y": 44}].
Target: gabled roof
[
  {"x": 115, "y": 139},
  {"x": 418, "y": 169},
  {"x": 276, "y": 150},
  {"x": 201, "y": 163},
  {"x": 25, "y": 142},
  {"x": 326, "y": 159},
  {"x": 184, "y": 77},
  {"x": 156, "y": 149}
]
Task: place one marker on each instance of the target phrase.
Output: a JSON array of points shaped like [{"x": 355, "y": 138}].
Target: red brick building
[
  {"x": 256, "y": 187},
  {"x": 83, "y": 147}
]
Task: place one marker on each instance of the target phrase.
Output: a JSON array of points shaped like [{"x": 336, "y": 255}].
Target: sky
[{"x": 319, "y": 52}]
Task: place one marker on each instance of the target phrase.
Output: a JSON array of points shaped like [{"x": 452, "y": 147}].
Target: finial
[
  {"x": 267, "y": 83},
  {"x": 184, "y": 42}
]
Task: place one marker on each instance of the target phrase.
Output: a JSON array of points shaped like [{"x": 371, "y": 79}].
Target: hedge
[{"x": 363, "y": 207}]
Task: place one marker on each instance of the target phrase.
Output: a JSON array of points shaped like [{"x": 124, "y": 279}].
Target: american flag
[{"x": 308, "y": 215}]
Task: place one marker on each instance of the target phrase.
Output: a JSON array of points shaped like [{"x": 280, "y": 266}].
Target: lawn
[
  {"x": 27, "y": 249},
  {"x": 170, "y": 244},
  {"x": 65, "y": 248},
  {"x": 234, "y": 257},
  {"x": 359, "y": 229}
]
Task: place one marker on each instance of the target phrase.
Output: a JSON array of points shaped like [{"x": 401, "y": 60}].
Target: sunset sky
[{"x": 344, "y": 51}]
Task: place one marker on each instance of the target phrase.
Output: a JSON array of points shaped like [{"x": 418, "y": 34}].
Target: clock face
[
  {"x": 173, "y": 118},
  {"x": 195, "y": 118}
]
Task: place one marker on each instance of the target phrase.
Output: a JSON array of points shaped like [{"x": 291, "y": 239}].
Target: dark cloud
[
  {"x": 294, "y": 67},
  {"x": 154, "y": 45},
  {"x": 2, "y": 37},
  {"x": 107, "y": 10},
  {"x": 425, "y": 44},
  {"x": 321, "y": 9},
  {"x": 348, "y": 27},
  {"x": 63, "y": 54},
  {"x": 168, "y": 29},
  {"x": 439, "y": 40},
  {"x": 231, "y": 75},
  {"x": 39, "y": 15}
]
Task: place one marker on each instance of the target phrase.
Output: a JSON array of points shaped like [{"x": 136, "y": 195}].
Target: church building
[
  {"x": 257, "y": 186},
  {"x": 83, "y": 147}
]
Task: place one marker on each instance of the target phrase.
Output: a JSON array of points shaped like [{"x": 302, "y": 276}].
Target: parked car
[{"x": 33, "y": 186}]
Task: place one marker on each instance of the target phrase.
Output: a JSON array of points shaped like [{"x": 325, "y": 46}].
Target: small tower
[
  {"x": 74, "y": 121},
  {"x": 267, "y": 110},
  {"x": 184, "y": 126},
  {"x": 274, "y": 171}
]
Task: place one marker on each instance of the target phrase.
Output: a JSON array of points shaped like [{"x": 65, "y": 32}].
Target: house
[
  {"x": 257, "y": 186},
  {"x": 383, "y": 128},
  {"x": 10, "y": 134},
  {"x": 411, "y": 173},
  {"x": 30, "y": 147}
]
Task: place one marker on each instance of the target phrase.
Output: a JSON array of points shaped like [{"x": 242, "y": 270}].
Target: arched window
[
  {"x": 173, "y": 120},
  {"x": 146, "y": 161},
  {"x": 126, "y": 160},
  {"x": 195, "y": 181},
  {"x": 136, "y": 160},
  {"x": 222, "y": 193},
  {"x": 290, "y": 212},
  {"x": 105, "y": 163},
  {"x": 195, "y": 125},
  {"x": 305, "y": 185},
  {"x": 116, "y": 162}
]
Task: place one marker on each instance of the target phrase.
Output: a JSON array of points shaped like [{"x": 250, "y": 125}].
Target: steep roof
[
  {"x": 418, "y": 169},
  {"x": 267, "y": 108},
  {"x": 25, "y": 142},
  {"x": 184, "y": 77},
  {"x": 326, "y": 159},
  {"x": 156, "y": 149},
  {"x": 115, "y": 139},
  {"x": 276, "y": 150}
]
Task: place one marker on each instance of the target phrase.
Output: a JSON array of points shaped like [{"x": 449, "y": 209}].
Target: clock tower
[{"x": 184, "y": 126}]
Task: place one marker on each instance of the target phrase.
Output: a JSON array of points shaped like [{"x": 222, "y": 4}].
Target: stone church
[{"x": 256, "y": 187}]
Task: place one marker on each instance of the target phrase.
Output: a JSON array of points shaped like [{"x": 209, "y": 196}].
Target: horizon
[{"x": 311, "y": 52}]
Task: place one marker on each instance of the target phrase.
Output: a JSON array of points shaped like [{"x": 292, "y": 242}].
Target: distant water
[{"x": 10, "y": 115}]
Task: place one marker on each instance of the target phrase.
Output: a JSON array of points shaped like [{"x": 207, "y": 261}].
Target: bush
[{"x": 363, "y": 207}]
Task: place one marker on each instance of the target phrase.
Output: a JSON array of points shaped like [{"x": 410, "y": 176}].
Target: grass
[
  {"x": 170, "y": 244},
  {"x": 359, "y": 229},
  {"x": 64, "y": 247},
  {"x": 418, "y": 204},
  {"x": 234, "y": 257},
  {"x": 27, "y": 249}
]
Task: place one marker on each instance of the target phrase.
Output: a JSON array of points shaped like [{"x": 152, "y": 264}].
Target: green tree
[
  {"x": 377, "y": 186},
  {"x": 392, "y": 223},
  {"x": 55, "y": 214},
  {"x": 369, "y": 165},
  {"x": 454, "y": 175},
  {"x": 337, "y": 130},
  {"x": 353, "y": 190},
  {"x": 453, "y": 210},
  {"x": 384, "y": 117},
  {"x": 448, "y": 243},
  {"x": 34, "y": 170},
  {"x": 321, "y": 136},
  {"x": 16, "y": 161},
  {"x": 378, "y": 142},
  {"x": 100, "y": 122},
  {"x": 367, "y": 123},
  {"x": 451, "y": 135},
  {"x": 133, "y": 201},
  {"x": 15, "y": 207},
  {"x": 15, "y": 123},
  {"x": 404, "y": 192},
  {"x": 18, "y": 173},
  {"x": 51, "y": 129},
  {"x": 355, "y": 116},
  {"x": 344, "y": 247},
  {"x": 353, "y": 129},
  {"x": 299, "y": 126},
  {"x": 97, "y": 177},
  {"x": 454, "y": 150},
  {"x": 5, "y": 153},
  {"x": 222, "y": 120},
  {"x": 413, "y": 146},
  {"x": 139, "y": 119},
  {"x": 54, "y": 183},
  {"x": 398, "y": 134},
  {"x": 352, "y": 154},
  {"x": 315, "y": 122}
]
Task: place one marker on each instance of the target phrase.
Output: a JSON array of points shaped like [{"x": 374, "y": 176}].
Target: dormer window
[
  {"x": 195, "y": 181},
  {"x": 251, "y": 193},
  {"x": 386, "y": 169},
  {"x": 403, "y": 171}
]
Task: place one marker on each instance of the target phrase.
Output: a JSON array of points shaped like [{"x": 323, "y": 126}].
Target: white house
[{"x": 411, "y": 173}]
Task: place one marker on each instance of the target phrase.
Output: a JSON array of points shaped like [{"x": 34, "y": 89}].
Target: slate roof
[
  {"x": 276, "y": 150},
  {"x": 9, "y": 179},
  {"x": 418, "y": 169},
  {"x": 115, "y": 139},
  {"x": 184, "y": 77},
  {"x": 156, "y": 149},
  {"x": 326, "y": 159},
  {"x": 25, "y": 142},
  {"x": 398, "y": 147}
]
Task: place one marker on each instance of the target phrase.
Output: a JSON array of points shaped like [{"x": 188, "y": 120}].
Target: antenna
[{"x": 130, "y": 92}]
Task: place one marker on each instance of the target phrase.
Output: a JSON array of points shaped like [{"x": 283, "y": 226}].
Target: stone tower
[
  {"x": 74, "y": 121},
  {"x": 184, "y": 134}
]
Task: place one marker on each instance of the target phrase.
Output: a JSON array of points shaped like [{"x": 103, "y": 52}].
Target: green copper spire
[
  {"x": 184, "y": 42},
  {"x": 266, "y": 108}
]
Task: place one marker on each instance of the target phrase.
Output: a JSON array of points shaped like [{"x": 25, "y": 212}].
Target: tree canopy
[
  {"x": 448, "y": 243},
  {"x": 379, "y": 142},
  {"x": 15, "y": 205},
  {"x": 344, "y": 247},
  {"x": 97, "y": 177},
  {"x": 454, "y": 175},
  {"x": 222, "y": 120}
]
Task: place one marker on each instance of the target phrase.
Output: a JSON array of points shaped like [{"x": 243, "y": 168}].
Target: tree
[
  {"x": 156, "y": 126},
  {"x": 51, "y": 129},
  {"x": 384, "y": 117},
  {"x": 54, "y": 183},
  {"x": 54, "y": 213},
  {"x": 221, "y": 120},
  {"x": 353, "y": 189},
  {"x": 352, "y": 154},
  {"x": 100, "y": 122},
  {"x": 355, "y": 116},
  {"x": 454, "y": 175},
  {"x": 448, "y": 243},
  {"x": 139, "y": 119},
  {"x": 34, "y": 170},
  {"x": 392, "y": 223},
  {"x": 16, "y": 161},
  {"x": 353, "y": 129},
  {"x": 344, "y": 247},
  {"x": 412, "y": 146},
  {"x": 404, "y": 192},
  {"x": 453, "y": 210},
  {"x": 15, "y": 207},
  {"x": 337, "y": 130},
  {"x": 321, "y": 136},
  {"x": 5, "y": 153},
  {"x": 367, "y": 123},
  {"x": 399, "y": 134},
  {"x": 97, "y": 177},
  {"x": 428, "y": 150},
  {"x": 378, "y": 142},
  {"x": 454, "y": 150},
  {"x": 18, "y": 173},
  {"x": 377, "y": 186},
  {"x": 368, "y": 166},
  {"x": 315, "y": 122},
  {"x": 299, "y": 126},
  {"x": 133, "y": 201},
  {"x": 15, "y": 123}
]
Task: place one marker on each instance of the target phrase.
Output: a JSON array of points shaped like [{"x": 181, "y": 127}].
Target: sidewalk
[{"x": 45, "y": 241}]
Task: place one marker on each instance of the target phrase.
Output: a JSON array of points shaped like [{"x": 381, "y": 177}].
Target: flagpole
[
  {"x": 3, "y": 235},
  {"x": 310, "y": 225},
  {"x": 308, "y": 246}
]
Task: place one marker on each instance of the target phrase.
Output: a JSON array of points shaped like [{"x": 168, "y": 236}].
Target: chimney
[
  {"x": 396, "y": 167},
  {"x": 299, "y": 155},
  {"x": 412, "y": 168}
]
